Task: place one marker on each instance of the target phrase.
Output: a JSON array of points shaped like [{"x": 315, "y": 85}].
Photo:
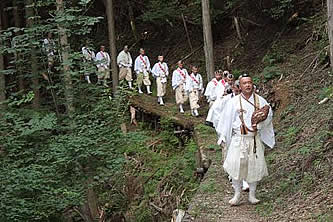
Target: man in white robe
[
  {"x": 142, "y": 69},
  {"x": 89, "y": 58},
  {"x": 216, "y": 109},
  {"x": 124, "y": 61},
  {"x": 179, "y": 77},
  {"x": 210, "y": 91},
  {"x": 194, "y": 88},
  {"x": 103, "y": 63},
  {"x": 160, "y": 71},
  {"x": 245, "y": 150}
]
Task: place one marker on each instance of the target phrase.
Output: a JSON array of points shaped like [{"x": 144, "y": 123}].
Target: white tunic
[
  {"x": 241, "y": 147},
  {"x": 142, "y": 65},
  {"x": 124, "y": 59},
  {"x": 194, "y": 82},
  {"x": 103, "y": 59},
  {"x": 179, "y": 76},
  {"x": 89, "y": 55},
  {"x": 161, "y": 70},
  {"x": 215, "y": 90},
  {"x": 214, "y": 113}
]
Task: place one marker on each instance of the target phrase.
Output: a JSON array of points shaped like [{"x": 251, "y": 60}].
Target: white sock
[{"x": 130, "y": 84}]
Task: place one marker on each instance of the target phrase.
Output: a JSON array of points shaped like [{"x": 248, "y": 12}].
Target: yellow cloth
[
  {"x": 103, "y": 73},
  {"x": 125, "y": 73},
  {"x": 194, "y": 99},
  {"x": 143, "y": 78},
  {"x": 181, "y": 96},
  {"x": 161, "y": 87}
]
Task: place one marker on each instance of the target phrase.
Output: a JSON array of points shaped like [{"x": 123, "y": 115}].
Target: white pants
[{"x": 242, "y": 163}]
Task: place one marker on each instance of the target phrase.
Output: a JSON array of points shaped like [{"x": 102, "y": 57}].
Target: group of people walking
[
  {"x": 186, "y": 86},
  {"x": 242, "y": 119}
]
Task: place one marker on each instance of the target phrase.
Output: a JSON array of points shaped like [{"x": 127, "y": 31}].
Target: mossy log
[{"x": 149, "y": 104}]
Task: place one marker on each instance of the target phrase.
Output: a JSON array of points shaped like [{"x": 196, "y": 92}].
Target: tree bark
[
  {"x": 34, "y": 68},
  {"x": 65, "y": 61},
  {"x": 330, "y": 28},
  {"x": 112, "y": 43},
  {"x": 208, "y": 39},
  {"x": 132, "y": 20},
  {"x": 18, "y": 24},
  {"x": 2, "y": 67}
]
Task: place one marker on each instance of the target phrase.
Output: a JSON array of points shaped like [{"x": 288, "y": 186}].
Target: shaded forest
[{"x": 68, "y": 149}]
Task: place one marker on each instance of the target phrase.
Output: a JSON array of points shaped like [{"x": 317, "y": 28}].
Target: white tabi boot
[
  {"x": 181, "y": 110},
  {"x": 252, "y": 193},
  {"x": 88, "y": 79},
  {"x": 245, "y": 186},
  {"x": 236, "y": 184},
  {"x": 196, "y": 113},
  {"x": 148, "y": 90},
  {"x": 161, "y": 101},
  {"x": 130, "y": 85},
  {"x": 140, "y": 91}
]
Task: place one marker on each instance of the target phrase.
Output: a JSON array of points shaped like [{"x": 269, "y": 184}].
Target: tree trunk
[
  {"x": 18, "y": 64},
  {"x": 330, "y": 28},
  {"x": 2, "y": 67},
  {"x": 65, "y": 61},
  {"x": 208, "y": 39},
  {"x": 112, "y": 43},
  {"x": 132, "y": 20},
  {"x": 34, "y": 68}
]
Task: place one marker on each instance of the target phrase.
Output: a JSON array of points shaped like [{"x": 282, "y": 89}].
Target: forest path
[{"x": 210, "y": 203}]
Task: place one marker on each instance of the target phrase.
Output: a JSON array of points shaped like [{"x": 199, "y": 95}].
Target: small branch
[
  {"x": 251, "y": 22},
  {"x": 156, "y": 207},
  {"x": 189, "y": 55}
]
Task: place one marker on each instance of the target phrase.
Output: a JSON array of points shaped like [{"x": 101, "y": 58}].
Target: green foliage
[
  {"x": 46, "y": 160},
  {"x": 326, "y": 92},
  {"x": 280, "y": 9},
  {"x": 270, "y": 72}
]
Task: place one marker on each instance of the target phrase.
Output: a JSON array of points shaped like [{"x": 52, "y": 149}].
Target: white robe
[
  {"x": 103, "y": 60},
  {"x": 241, "y": 146},
  {"x": 214, "y": 113},
  {"x": 89, "y": 55},
  {"x": 191, "y": 84},
  {"x": 158, "y": 72},
  {"x": 214, "y": 89},
  {"x": 140, "y": 66},
  {"x": 178, "y": 78},
  {"x": 124, "y": 60}
]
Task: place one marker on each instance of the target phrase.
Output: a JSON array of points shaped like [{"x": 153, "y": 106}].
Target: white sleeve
[
  {"x": 155, "y": 70},
  {"x": 174, "y": 82},
  {"x": 137, "y": 65},
  {"x": 148, "y": 63},
  {"x": 166, "y": 69}
]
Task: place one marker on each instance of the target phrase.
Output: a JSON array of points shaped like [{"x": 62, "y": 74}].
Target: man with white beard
[
  {"x": 160, "y": 71},
  {"x": 247, "y": 124}
]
